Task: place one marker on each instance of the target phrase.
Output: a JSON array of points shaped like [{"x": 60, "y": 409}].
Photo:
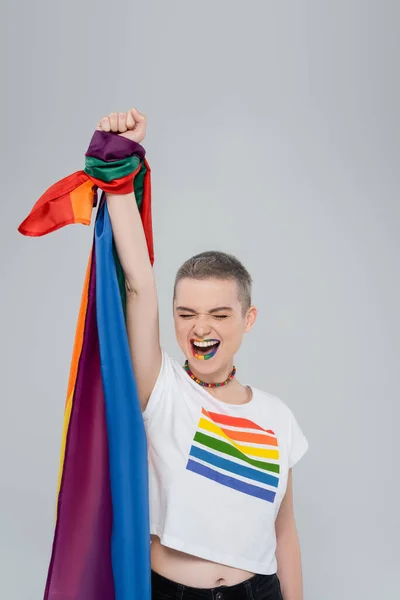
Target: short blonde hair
[{"x": 218, "y": 265}]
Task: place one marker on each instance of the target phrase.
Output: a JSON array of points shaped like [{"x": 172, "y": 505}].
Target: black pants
[{"x": 259, "y": 587}]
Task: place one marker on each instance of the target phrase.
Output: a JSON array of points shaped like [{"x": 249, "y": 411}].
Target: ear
[{"x": 251, "y": 317}]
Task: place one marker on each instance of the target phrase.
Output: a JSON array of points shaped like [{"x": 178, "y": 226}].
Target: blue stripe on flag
[
  {"x": 235, "y": 484},
  {"x": 127, "y": 445},
  {"x": 229, "y": 465}
]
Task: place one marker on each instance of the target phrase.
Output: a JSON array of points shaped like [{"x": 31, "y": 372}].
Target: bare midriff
[{"x": 191, "y": 570}]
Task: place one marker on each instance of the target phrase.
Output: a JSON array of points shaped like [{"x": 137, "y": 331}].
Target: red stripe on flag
[{"x": 234, "y": 421}]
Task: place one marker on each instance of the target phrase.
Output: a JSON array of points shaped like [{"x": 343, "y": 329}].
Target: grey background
[{"x": 273, "y": 134}]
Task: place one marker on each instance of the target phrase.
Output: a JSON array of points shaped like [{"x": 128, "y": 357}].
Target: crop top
[{"x": 218, "y": 472}]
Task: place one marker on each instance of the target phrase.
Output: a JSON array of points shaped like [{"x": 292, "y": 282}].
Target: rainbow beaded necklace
[{"x": 204, "y": 383}]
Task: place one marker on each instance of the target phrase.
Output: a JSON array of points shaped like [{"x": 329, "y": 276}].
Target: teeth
[{"x": 204, "y": 344}]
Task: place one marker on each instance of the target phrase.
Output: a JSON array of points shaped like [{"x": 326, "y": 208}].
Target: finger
[
  {"x": 130, "y": 121},
  {"x": 105, "y": 124},
  {"x": 141, "y": 123},
  {"x": 138, "y": 116},
  {"x": 114, "y": 122},
  {"x": 122, "y": 123}
]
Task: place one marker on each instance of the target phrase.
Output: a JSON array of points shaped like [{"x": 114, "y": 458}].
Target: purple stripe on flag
[
  {"x": 107, "y": 147},
  {"x": 80, "y": 567}
]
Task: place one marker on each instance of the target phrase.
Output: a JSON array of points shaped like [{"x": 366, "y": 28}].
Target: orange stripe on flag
[
  {"x": 253, "y": 438},
  {"x": 78, "y": 344},
  {"x": 82, "y": 202},
  {"x": 80, "y": 328}
]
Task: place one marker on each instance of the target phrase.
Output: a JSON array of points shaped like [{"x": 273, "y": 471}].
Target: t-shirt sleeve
[
  {"x": 160, "y": 388},
  {"x": 298, "y": 443}
]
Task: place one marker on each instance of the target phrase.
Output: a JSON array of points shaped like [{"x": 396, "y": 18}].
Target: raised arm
[{"x": 141, "y": 298}]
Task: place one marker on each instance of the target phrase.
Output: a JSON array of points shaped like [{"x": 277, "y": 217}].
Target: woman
[{"x": 220, "y": 453}]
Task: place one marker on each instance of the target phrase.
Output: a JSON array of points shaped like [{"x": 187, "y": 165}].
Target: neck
[{"x": 217, "y": 376}]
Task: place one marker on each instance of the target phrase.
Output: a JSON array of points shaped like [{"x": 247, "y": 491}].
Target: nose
[{"x": 202, "y": 326}]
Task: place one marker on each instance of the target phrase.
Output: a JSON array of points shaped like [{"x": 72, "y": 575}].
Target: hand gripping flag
[{"x": 101, "y": 546}]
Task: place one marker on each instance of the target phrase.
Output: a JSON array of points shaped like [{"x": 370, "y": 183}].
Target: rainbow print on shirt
[{"x": 237, "y": 453}]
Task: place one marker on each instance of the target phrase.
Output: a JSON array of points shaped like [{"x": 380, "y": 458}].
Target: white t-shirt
[{"x": 218, "y": 472}]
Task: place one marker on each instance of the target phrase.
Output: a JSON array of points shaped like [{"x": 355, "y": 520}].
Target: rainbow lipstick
[{"x": 212, "y": 343}]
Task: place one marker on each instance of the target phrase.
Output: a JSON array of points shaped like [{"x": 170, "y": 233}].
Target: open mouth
[{"x": 204, "y": 349}]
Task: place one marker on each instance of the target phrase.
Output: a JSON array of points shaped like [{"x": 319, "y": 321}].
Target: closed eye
[{"x": 215, "y": 316}]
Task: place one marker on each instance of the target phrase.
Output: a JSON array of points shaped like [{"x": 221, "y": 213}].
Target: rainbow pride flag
[
  {"x": 101, "y": 546},
  {"x": 236, "y": 453}
]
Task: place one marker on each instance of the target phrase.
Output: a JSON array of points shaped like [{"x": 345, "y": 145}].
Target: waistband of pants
[{"x": 245, "y": 590}]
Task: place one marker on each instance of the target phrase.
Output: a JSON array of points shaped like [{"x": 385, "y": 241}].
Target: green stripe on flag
[
  {"x": 211, "y": 442},
  {"x": 138, "y": 185},
  {"x": 109, "y": 171}
]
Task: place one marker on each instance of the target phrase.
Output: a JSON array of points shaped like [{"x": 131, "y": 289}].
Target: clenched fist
[{"x": 131, "y": 124}]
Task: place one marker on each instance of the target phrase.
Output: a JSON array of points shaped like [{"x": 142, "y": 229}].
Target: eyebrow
[{"x": 212, "y": 311}]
